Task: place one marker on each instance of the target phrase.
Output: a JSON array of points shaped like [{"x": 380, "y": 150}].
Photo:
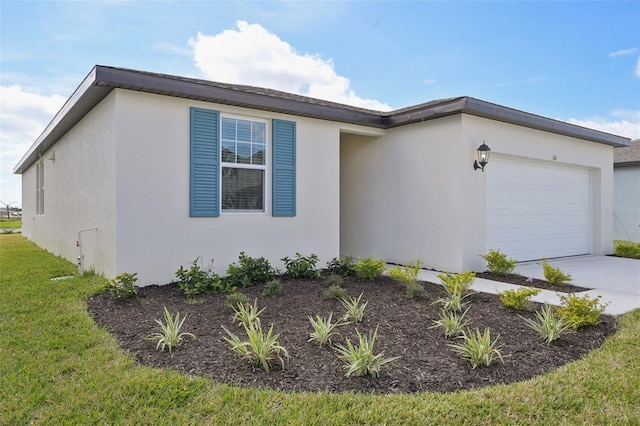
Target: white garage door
[{"x": 538, "y": 209}]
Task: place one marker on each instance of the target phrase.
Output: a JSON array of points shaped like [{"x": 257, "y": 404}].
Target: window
[
  {"x": 40, "y": 188},
  {"x": 233, "y": 151},
  {"x": 243, "y": 153}
]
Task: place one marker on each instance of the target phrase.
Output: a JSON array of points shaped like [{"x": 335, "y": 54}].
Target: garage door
[{"x": 537, "y": 209}]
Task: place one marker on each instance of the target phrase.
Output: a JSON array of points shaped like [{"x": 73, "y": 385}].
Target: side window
[
  {"x": 243, "y": 155},
  {"x": 40, "y": 188}
]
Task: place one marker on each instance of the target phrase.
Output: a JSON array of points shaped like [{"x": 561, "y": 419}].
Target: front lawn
[{"x": 58, "y": 367}]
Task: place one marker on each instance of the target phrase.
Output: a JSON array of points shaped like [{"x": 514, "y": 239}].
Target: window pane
[
  {"x": 242, "y": 189},
  {"x": 228, "y": 152},
  {"x": 259, "y": 130},
  {"x": 244, "y": 130},
  {"x": 257, "y": 154},
  {"x": 244, "y": 153},
  {"x": 229, "y": 129}
]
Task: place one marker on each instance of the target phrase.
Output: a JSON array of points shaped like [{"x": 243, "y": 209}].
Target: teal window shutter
[
  {"x": 284, "y": 168},
  {"x": 205, "y": 163}
]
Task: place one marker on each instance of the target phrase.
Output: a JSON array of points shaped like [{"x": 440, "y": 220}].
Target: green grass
[
  {"x": 10, "y": 224},
  {"x": 626, "y": 249},
  {"x": 58, "y": 367}
]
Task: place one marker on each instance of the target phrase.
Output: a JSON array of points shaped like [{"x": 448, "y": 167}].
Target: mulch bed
[
  {"x": 427, "y": 363},
  {"x": 518, "y": 279}
]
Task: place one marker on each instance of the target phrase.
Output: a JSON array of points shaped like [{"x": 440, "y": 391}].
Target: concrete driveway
[{"x": 616, "y": 280}]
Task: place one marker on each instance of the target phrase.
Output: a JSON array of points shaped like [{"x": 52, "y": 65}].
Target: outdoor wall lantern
[{"x": 483, "y": 157}]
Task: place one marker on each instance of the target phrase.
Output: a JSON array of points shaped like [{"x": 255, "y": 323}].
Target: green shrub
[
  {"x": 407, "y": 274},
  {"x": 272, "y": 288},
  {"x": 198, "y": 280},
  {"x": 247, "y": 314},
  {"x": 124, "y": 286},
  {"x": 580, "y": 311},
  {"x": 478, "y": 348},
  {"x": 499, "y": 263},
  {"x": 169, "y": 334},
  {"x": 355, "y": 310},
  {"x": 302, "y": 266},
  {"x": 260, "y": 349},
  {"x": 547, "y": 324},
  {"x": 334, "y": 280},
  {"x": 451, "y": 323},
  {"x": 554, "y": 275},
  {"x": 369, "y": 268},
  {"x": 343, "y": 266},
  {"x": 323, "y": 329},
  {"x": 361, "y": 360},
  {"x": 414, "y": 290},
  {"x": 248, "y": 271},
  {"x": 517, "y": 299},
  {"x": 453, "y": 302},
  {"x": 626, "y": 249},
  {"x": 335, "y": 292},
  {"x": 457, "y": 283},
  {"x": 236, "y": 299}
]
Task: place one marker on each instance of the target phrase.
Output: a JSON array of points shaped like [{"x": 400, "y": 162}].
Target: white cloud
[
  {"x": 23, "y": 116},
  {"x": 252, "y": 55},
  {"x": 623, "y": 52},
  {"x": 620, "y": 122},
  {"x": 638, "y": 67}
]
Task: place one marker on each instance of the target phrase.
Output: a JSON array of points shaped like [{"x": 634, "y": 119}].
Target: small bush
[
  {"x": 236, "y": 299},
  {"x": 453, "y": 302},
  {"x": 302, "y": 266},
  {"x": 361, "y": 360},
  {"x": 248, "y": 271},
  {"x": 334, "y": 280},
  {"x": 414, "y": 290},
  {"x": 499, "y": 263},
  {"x": 272, "y": 288},
  {"x": 580, "y": 311},
  {"x": 478, "y": 348},
  {"x": 554, "y": 275},
  {"x": 355, "y": 310},
  {"x": 198, "y": 280},
  {"x": 408, "y": 274},
  {"x": 124, "y": 286},
  {"x": 260, "y": 349},
  {"x": 169, "y": 334},
  {"x": 517, "y": 299},
  {"x": 323, "y": 329},
  {"x": 335, "y": 292},
  {"x": 451, "y": 323},
  {"x": 369, "y": 268},
  {"x": 547, "y": 324},
  {"x": 626, "y": 249},
  {"x": 247, "y": 314},
  {"x": 457, "y": 283},
  {"x": 343, "y": 266}
]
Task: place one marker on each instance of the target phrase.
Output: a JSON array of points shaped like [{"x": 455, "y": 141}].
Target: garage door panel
[{"x": 537, "y": 209}]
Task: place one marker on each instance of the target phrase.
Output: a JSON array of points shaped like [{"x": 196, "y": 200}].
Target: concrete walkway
[{"x": 615, "y": 280}]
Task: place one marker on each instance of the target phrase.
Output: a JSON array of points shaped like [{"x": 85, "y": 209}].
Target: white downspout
[{"x": 79, "y": 244}]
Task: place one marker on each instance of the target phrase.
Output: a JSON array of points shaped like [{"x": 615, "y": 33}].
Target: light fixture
[{"x": 483, "y": 157}]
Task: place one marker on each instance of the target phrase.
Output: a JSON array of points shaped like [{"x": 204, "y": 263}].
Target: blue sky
[{"x": 577, "y": 61}]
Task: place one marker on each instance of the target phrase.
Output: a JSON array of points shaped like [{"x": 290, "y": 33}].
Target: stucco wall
[
  {"x": 79, "y": 192},
  {"x": 627, "y": 203},
  {"x": 155, "y": 234},
  {"x": 413, "y": 193}
]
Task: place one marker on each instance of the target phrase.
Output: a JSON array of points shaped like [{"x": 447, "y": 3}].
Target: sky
[{"x": 575, "y": 61}]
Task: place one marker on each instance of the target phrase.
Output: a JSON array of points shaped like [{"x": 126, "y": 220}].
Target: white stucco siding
[
  {"x": 155, "y": 232},
  {"x": 402, "y": 195},
  {"x": 627, "y": 203},
  {"x": 79, "y": 192},
  {"x": 510, "y": 141},
  {"x": 413, "y": 194}
]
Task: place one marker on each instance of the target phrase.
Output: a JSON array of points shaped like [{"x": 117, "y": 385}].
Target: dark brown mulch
[
  {"x": 518, "y": 279},
  {"x": 427, "y": 363}
]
